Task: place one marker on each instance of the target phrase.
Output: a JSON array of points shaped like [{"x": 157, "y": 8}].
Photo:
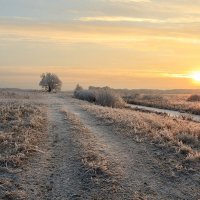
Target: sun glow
[{"x": 196, "y": 76}]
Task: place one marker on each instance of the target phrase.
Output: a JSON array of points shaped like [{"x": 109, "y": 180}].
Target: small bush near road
[
  {"x": 107, "y": 97},
  {"x": 102, "y": 96},
  {"x": 85, "y": 95}
]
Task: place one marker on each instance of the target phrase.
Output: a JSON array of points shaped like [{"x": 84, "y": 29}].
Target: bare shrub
[
  {"x": 107, "y": 97},
  {"x": 101, "y": 96},
  {"x": 194, "y": 98},
  {"x": 85, "y": 95}
]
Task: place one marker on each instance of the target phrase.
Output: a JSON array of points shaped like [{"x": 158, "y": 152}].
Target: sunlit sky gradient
[{"x": 119, "y": 43}]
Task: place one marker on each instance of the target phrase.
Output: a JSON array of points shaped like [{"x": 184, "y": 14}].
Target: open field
[
  {"x": 22, "y": 126},
  {"x": 54, "y": 146},
  {"x": 178, "y": 102},
  {"x": 181, "y": 136}
]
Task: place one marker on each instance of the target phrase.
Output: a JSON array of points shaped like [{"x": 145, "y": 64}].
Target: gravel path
[{"x": 55, "y": 174}]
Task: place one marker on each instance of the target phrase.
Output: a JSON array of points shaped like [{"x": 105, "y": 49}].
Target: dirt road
[{"x": 84, "y": 159}]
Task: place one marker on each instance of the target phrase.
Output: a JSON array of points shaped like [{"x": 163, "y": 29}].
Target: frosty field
[{"x": 53, "y": 146}]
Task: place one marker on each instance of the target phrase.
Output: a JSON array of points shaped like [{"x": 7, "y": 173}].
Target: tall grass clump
[
  {"x": 194, "y": 98},
  {"x": 107, "y": 97},
  {"x": 21, "y": 127},
  {"x": 85, "y": 95},
  {"x": 82, "y": 94},
  {"x": 101, "y": 96}
]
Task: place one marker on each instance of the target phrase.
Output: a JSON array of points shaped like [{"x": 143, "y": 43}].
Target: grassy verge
[
  {"x": 181, "y": 135},
  {"x": 170, "y": 102},
  {"x": 21, "y": 128}
]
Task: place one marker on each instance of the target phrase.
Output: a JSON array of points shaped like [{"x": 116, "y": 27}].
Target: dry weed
[
  {"x": 22, "y": 126},
  {"x": 181, "y": 134},
  {"x": 182, "y": 103}
]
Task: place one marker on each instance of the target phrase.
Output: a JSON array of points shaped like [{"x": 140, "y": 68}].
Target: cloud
[
  {"x": 183, "y": 76},
  {"x": 137, "y": 19},
  {"x": 83, "y": 33},
  {"x": 131, "y": 1},
  {"x": 176, "y": 75}
]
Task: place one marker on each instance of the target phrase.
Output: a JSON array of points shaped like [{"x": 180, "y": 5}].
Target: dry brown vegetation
[
  {"x": 178, "y": 102},
  {"x": 171, "y": 144},
  {"x": 100, "y": 96},
  {"x": 17, "y": 94},
  {"x": 22, "y": 126},
  {"x": 194, "y": 98},
  {"x": 181, "y": 135}
]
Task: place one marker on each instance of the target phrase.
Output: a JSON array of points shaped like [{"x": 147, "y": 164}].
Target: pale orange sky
[{"x": 119, "y": 43}]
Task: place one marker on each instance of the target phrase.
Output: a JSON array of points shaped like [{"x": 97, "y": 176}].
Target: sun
[{"x": 196, "y": 76}]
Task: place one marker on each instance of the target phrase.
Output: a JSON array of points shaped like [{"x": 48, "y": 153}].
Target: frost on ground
[
  {"x": 101, "y": 171},
  {"x": 178, "y": 102},
  {"x": 74, "y": 164},
  {"x": 56, "y": 147},
  {"x": 153, "y": 166},
  {"x": 22, "y": 126},
  {"x": 181, "y": 135}
]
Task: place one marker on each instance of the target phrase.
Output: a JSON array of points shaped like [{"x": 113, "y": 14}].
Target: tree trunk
[{"x": 49, "y": 90}]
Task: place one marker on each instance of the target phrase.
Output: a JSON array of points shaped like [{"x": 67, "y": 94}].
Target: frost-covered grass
[
  {"x": 18, "y": 94},
  {"x": 107, "y": 97},
  {"x": 179, "y": 102},
  {"x": 180, "y": 134},
  {"x": 22, "y": 127},
  {"x": 85, "y": 95}
]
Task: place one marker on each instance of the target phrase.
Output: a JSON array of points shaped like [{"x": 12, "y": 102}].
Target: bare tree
[{"x": 50, "y": 82}]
